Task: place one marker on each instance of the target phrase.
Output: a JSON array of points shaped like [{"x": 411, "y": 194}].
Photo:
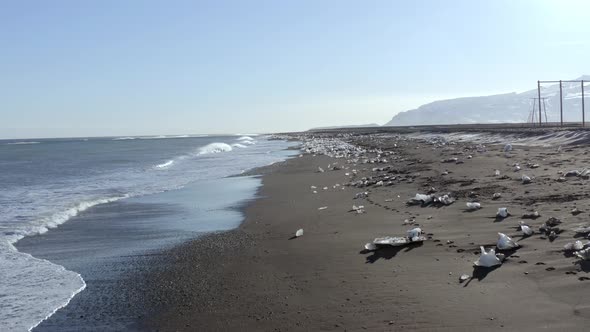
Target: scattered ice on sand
[
  {"x": 361, "y": 195},
  {"x": 583, "y": 254},
  {"x": 358, "y": 209},
  {"x": 464, "y": 277},
  {"x": 472, "y": 206},
  {"x": 531, "y": 215},
  {"x": 422, "y": 199},
  {"x": 445, "y": 199},
  {"x": 488, "y": 259},
  {"x": 299, "y": 232},
  {"x": 525, "y": 179},
  {"x": 578, "y": 245},
  {"x": 505, "y": 242}
]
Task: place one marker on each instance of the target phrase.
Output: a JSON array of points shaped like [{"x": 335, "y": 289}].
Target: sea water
[{"x": 46, "y": 182}]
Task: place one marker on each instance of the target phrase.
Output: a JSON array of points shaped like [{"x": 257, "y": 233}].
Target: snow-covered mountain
[{"x": 503, "y": 108}]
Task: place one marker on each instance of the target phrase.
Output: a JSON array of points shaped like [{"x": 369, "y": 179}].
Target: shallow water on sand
[{"x": 108, "y": 242}]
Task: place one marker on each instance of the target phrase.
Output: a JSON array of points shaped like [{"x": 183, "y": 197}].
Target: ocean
[{"x": 121, "y": 195}]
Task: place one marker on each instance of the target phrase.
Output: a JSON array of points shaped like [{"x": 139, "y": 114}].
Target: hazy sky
[{"x": 87, "y": 68}]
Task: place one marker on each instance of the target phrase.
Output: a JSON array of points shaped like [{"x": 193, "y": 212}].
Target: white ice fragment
[
  {"x": 445, "y": 199},
  {"x": 313, "y": 187},
  {"x": 370, "y": 246},
  {"x": 583, "y": 254},
  {"x": 322, "y": 208},
  {"x": 321, "y": 170},
  {"x": 505, "y": 242},
  {"x": 414, "y": 233},
  {"x": 508, "y": 147},
  {"x": 525, "y": 179},
  {"x": 299, "y": 232},
  {"x": 502, "y": 212},
  {"x": 424, "y": 199},
  {"x": 497, "y": 172},
  {"x": 578, "y": 245},
  {"x": 488, "y": 259},
  {"x": 472, "y": 206},
  {"x": 496, "y": 195},
  {"x": 526, "y": 230}
]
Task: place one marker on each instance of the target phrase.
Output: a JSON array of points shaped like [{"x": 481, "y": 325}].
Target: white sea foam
[
  {"x": 238, "y": 145},
  {"x": 124, "y": 138},
  {"x": 166, "y": 164},
  {"x": 215, "y": 148},
  {"x": 22, "y": 143},
  {"x": 33, "y": 289},
  {"x": 245, "y": 138},
  {"x": 37, "y": 288}
]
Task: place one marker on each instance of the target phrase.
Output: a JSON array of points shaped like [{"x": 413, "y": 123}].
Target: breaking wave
[
  {"x": 22, "y": 143},
  {"x": 238, "y": 145},
  {"x": 215, "y": 148},
  {"x": 166, "y": 164}
]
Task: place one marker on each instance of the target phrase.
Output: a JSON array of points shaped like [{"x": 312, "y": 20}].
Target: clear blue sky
[{"x": 85, "y": 68}]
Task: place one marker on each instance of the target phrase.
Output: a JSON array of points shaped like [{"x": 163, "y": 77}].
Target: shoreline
[{"x": 256, "y": 277}]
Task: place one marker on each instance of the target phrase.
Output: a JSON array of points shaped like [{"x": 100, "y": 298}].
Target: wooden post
[{"x": 539, "y": 93}]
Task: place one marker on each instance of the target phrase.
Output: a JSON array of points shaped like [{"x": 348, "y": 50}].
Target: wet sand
[{"x": 259, "y": 278}]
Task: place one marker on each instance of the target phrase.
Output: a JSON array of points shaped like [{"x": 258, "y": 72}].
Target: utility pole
[
  {"x": 539, "y": 92},
  {"x": 561, "y": 103},
  {"x": 583, "y": 113}
]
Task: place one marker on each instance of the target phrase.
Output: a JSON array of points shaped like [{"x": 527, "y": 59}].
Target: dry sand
[{"x": 258, "y": 278}]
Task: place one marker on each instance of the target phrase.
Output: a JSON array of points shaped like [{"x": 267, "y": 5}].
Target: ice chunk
[
  {"x": 370, "y": 246},
  {"x": 414, "y": 233},
  {"x": 578, "y": 245},
  {"x": 526, "y": 230},
  {"x": 505, "y": 242},
  {"x": 487, "y": 259},
  {"x": 502, "y": 212},
  {"x": 299, "y": 232},
  {"x": 583, "y": 254},
  {"x": 471, "y": 206},
  {"x": 445, "y": 199},
  {"x": 525, "y": 179}
]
